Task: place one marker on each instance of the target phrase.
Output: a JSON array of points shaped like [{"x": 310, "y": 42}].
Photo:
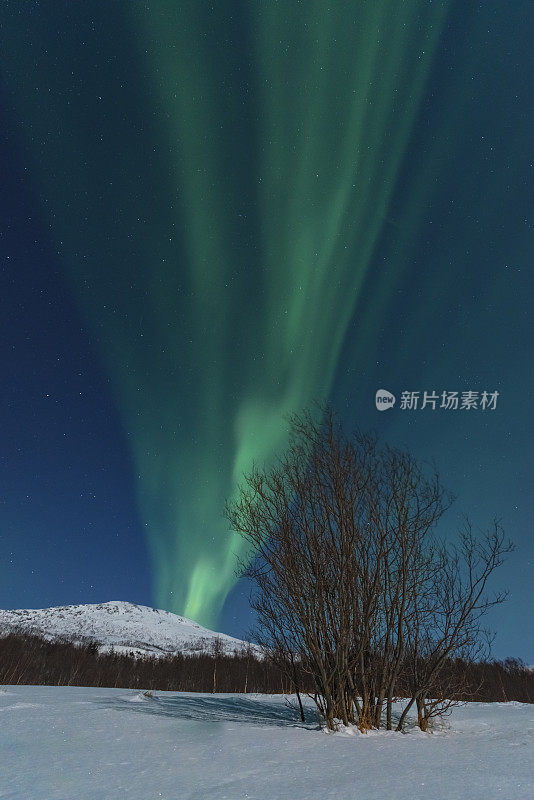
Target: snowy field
[{"x": 69, "y": 743}]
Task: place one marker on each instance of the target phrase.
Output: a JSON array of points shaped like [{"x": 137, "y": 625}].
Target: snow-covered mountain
[{"x": 118, "y": 625}]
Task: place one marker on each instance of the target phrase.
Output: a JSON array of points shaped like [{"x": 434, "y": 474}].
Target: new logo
[{"x": 384, "y": 400}]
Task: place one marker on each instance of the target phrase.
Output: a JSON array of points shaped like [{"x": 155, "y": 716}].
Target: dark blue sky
[{"x": 445, "y": 303}]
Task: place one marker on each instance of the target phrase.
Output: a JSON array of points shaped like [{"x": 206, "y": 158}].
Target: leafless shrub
[{"x": 352, "y": 589}]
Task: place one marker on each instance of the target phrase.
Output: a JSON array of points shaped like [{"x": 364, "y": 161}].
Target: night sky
[{"x": 216, "y": 213}]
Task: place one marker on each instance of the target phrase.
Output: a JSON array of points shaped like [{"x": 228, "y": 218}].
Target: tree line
[
  {"x": 30, "y": 659},
  {"x": 27, "y": 659}
]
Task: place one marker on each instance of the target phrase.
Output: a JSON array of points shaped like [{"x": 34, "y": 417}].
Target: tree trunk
[
  {"x": 422, "y": 719},
  {"x": 389, "y": 704},
  {"x": 302, "y": 717},
  {"x": 404, "y": 713}
]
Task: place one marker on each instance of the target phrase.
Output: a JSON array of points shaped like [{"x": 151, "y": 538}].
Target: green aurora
[{"x": 217, "y": 225}]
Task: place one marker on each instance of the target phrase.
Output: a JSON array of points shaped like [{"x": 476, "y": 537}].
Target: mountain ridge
[{"x": 120, "y": 626}]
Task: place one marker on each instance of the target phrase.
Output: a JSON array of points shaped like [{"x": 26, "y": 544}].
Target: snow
[
  {"x": 72, "y": 743},
  {"x": 125, "y": 627}
]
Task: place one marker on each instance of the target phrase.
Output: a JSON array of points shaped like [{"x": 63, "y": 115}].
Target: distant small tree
[{"x": 216, "y": 652}]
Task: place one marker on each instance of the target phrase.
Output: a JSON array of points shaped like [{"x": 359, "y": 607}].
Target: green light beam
[{"x": 218, "y": 231}]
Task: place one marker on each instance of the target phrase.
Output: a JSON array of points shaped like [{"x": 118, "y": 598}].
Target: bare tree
[
  {"x": 448, "y": 619},
  {"x": 352, "y": 590},
  {"x": 216, "y": 651}
]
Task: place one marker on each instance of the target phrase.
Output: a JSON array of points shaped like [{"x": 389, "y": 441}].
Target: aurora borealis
[{"x": 259, "y": 205}]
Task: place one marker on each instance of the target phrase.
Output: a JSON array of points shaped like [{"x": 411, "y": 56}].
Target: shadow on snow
[{"x": 214, "y": 708}]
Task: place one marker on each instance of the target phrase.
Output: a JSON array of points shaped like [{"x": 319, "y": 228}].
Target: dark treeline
[
  {"x": 27, "y": 659},
  {"x": 31, "y": 660}
]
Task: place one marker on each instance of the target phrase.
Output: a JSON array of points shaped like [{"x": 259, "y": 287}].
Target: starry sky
[{"x": 214, "y": 214}]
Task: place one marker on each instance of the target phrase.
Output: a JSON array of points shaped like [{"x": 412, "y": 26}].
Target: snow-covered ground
[
  {"x": 71, "y": 743},
  {"x": 123, "y": 626}
]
